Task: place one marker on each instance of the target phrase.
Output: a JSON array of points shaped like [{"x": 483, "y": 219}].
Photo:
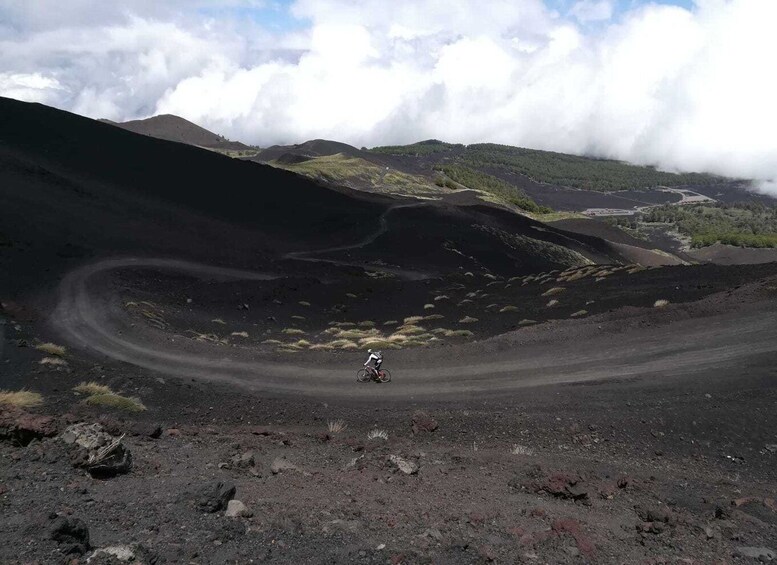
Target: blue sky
[{"x": 276, "y": 15}]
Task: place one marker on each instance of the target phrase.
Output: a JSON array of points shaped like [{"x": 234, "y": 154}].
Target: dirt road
[{"x": 88, "y": 317}]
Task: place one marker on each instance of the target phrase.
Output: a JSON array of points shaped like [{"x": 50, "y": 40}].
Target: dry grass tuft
[
  {"x": 336, "y": 426},
  {"x": 20, "y": 398},
  {"x": 553, "y": 291},
  {"x": 377, "y": 434},
  {"x": 51, "y": 349},
  {"x": 304, "y": 303},
  {"x": 468, "y": 320},
  {"x": 578, "y": 314},
  {"x": 527, "y": 322},
  {"x": 293, "y": 331},
  {"x": 272, "y": 342},
  {"x": 509, "y": 308},
  {"x": 240, "y": 334},
  {"x": 391, "y": 323},
  {"x": 116, "y": 401},
  {"x": 661, "y": 303},
  {"x": 219, "y": 321},
  {"x": 53, "y": 361},
  {"x": 434, "y": 317},
  {"x": 92, "y": 387},
  {"x": 366, "y": 324},
  {"x": 412, "y": 320},
  {"x": 552, "y": 303}
]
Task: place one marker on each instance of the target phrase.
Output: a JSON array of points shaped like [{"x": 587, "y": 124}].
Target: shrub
[
  {"x": 20, "y": 398},
  {"x": 661, "y": 303}
]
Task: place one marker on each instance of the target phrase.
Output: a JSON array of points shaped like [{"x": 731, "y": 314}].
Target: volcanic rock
[
  {"x": 213, "y": 496},
  {"x": 422, "y": 422},
  {"x": 21, "y": 427},
  {"x": 91, "y": 448},
  {"x": 71, "y": 533}
]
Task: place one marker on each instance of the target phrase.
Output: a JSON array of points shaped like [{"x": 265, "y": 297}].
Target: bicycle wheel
[
  {"x": 363, "y": 376},
  {"x": 384, "y": 375}
]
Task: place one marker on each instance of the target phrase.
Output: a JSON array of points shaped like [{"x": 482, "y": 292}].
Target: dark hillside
[
  {"x": 72, "y": 188},
  {"x": 174, "y": 128}
]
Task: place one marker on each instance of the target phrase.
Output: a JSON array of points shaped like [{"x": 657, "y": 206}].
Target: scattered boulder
[
  {"x": 91, "y": 448},
  {"x": 405, "y": 466},
  {"x": 422, "y": 422},
  {"x": 133, "y": 553},
  {"x": 213, "y": 496},
  {"x": 20, "y": 427},
  {"x": 70, "y": 533},
  {"x": 563, "y": 485},
  {"x": 244, "y": 461},
  {"x": 281, "y": 464},
  {"x": 236, "y": 509},
  {"x": 763, "y": 554}
]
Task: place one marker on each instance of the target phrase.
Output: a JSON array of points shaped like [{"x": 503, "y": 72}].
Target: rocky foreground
[{"x": 244, "y": 479}]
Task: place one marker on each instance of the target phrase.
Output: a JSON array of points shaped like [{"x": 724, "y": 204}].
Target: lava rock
[
  {"x": 422, "y": 422},
  {"x": 71, "y": 533},
  {"x": 281, "y": 464},
  {"x": 763, "y": 554},
  {"x": 236, "y": 509},
  {"x": 20, "y": 427},
  {"x": 213, "y": 496},
  {"x": 405, "y": 466},
  {"x": 101, "y": 454}
]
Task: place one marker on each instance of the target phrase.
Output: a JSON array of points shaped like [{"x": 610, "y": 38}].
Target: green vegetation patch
[
  {"x": 578, "y": 172},
  {"x": 502, "y": 190},
  {"x": 740, "y": 224}
]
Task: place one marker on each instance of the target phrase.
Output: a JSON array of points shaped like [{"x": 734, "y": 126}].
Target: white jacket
[{"x": 376, "y": 355}]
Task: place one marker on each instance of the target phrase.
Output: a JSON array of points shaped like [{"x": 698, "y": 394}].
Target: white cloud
[
  {"x": 592, "y": 10},
  {"x": 686, "y": 90}
]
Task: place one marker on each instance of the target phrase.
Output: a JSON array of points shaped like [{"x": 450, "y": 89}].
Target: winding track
[{"x": 90, "y": 318}]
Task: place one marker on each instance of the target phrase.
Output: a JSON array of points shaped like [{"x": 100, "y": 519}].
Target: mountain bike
[{"x": 369, "y": 374}]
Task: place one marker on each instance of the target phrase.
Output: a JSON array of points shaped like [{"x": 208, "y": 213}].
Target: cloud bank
[{"x": 681, "y": 89}]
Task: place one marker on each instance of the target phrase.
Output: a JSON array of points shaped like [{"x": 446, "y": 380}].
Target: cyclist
[{"x": 377, "y": 357}]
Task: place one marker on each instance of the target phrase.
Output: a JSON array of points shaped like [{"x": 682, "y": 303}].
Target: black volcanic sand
[
  {"x": 263, "y": 309},
  {"x": 665, "y": 468},
  {"x": 630, "y": 434}
]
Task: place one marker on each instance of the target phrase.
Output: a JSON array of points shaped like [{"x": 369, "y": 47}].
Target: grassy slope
[{"x": 361, "y": 174}]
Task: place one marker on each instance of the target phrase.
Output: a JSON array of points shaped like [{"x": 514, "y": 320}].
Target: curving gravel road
[{"x": 88, "y": 316}]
